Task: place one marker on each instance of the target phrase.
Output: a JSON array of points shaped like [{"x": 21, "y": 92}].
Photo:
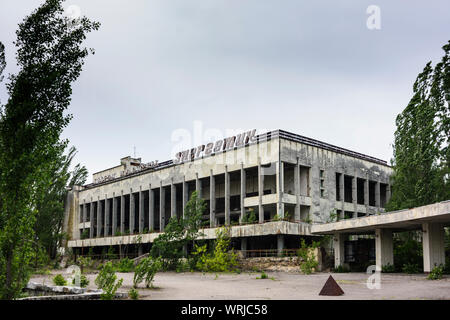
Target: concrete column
[
  {"x": 227, "y": 197},
  {"x": 107, "y": 222},
  {"x": 280, "y": 188},
  {"x": 114, "y": 215},
  {"x": 173, "y": 200},
  {"x": 151, "y": 209},
  {"x": 280, "y": 244},
  {"x": 342, "y": 194},
  {"x": 244, "y": 247},
  {"x": 122, "y": 213},
  {"x": 141, "y": 211},
  {"x": 99, "y": 218},
  {"x": 91, "y": 219},
  {"x": 384, "y": 249},
  {"x": 198, "y": 186},
  {"x": 366, "y": 195},
  {"x": 243, "y": 192},
  {"x": 339, "y": 253},
  {"x": 212, "y": 200},
  {"x": 297, "y": 191},
  {"x": 185, "y": 194},
  {"x": 377, "y": 194},
  {"x": 388, "y": 193},
  {"x": 433, "y": 238},
  {"x": 84, "y": 211},
  {"x": 132, "y": 206},
  {"x": 260, "y": 192},
  {"x": 355, "y": 196},
  {"x": 162, "y": 207}
]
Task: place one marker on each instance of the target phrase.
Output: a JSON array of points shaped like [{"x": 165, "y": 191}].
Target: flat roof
[{"x": 267, "y": 136}]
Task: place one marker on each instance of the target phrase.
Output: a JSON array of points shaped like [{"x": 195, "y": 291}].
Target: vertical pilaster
[
  {"x": 198, "y": 186},
  {"x": 114, "y": 215},
  {"x": 173, "y": 200},
  {"x": 342, "y": 194},
  {"x": 280, "y": 244},
  {"x": 141, "y": 210},
  {"x": 91, "y": 219},
  {"x": 107, "y": 222},
  {"x": 122, "y": 213},
  {"x": 297, "y": 191},
  {"x": 433, "y": 242},
  {"x": 99, "y": 218},
  {"x": 388, "y": 193},
  {"x": 339, "y": 245},
  {"x": 280, "y": 190},
  {"x": 260, "y": 192},
  {"x": 244, "y": 247},
  {"x": 212, "y": 200},
  {"x": 227, "y": 196},
  {"x": 132, "y": 208},
  {"x": 377, "y": 194},
  {"x": 366, "y": 194},
  {"x": 151, "y": 208},
  {"x": 162, "y": 207},
  {"x": 355, "y": 196},
  {"x": 243, "y": 192},
  {"x": 185, "y": 194}
]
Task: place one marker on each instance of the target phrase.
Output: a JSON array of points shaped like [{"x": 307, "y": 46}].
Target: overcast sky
[{"x": 309, "y": 67}]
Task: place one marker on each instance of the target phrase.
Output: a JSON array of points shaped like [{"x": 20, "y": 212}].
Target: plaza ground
[{"x": 279, "y": 286}]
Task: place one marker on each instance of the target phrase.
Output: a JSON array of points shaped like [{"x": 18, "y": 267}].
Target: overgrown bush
[
  {"x": 408, "y": 251},
  {"x": 249, "y": 217},
  {"x": 85, "y": 262},
  {"x": 124, "y": 265},
  {"x": 388, "y": 268},
  {"x": 133, "y": 294},
  {"x": 410, "y": 268},
  {"x": 221, "y": 259},
  {"x": 84, "y": 282},
  {"x": 59, "y": 280},
  {"x": 106, "y": 280},
  {"x": 146, "y": 270},
  {"x": 308, "y": 259},
  {"x": 436, "y": 273}
]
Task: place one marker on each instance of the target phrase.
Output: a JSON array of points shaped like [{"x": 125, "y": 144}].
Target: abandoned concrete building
[{"x": 287, "y": 181}]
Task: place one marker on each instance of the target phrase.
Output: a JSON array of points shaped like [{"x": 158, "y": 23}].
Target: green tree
[
  {"x": 50, "y": 58},
  {"x": 421, "y": 148},
  {"x": 178, "y": 233}
]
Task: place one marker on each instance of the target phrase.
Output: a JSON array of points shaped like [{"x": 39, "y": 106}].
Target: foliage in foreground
[
  {"x": 146, "y": 270},
  {"x": 221, "y": 259},
  {"x": 436, "y": 273},
  {"x": 133, "y": 294},
  {"x": 59, "y": 280},
  {"x": 308, "y": 259},
  {"x": 106, "y": 280}
]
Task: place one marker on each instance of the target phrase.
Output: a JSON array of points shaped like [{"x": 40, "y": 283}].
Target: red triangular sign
[{"x": 331, "y": 288}]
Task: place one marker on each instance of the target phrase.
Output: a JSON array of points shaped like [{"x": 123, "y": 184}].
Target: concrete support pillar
[
  {"x": 185, "y": 194},
  {"x": 243, "y": 192},
  {"x": 280, "y": 244},
  {"x": 99, "y": 218},
  {"x": 384, "y": 249},
  {"x": 366, "y": 192},
  {"x": 227, "y": 197},
  {"x": 244, "y": 247},
  {"x": 280, "y": 188},
  {"x": 162, "y": 207},
  {"x": 151, "y": 208},
  {"x": 388, "y": 193},
  {"x": 140, "y": 250},
  {"x": 141, "y": 211},
  {"x": 260, "y": 192},
  {"x": 355, "y": 196},
  {"x": 433, "y": 242},
  {"x": 339, "y": 246},
  {"x": 173, "y": 200},
  {"x": 132, "y": 208},
  {"x": 212, "y": 200},
  {"x": 198, "y": 186},
  {"x": 91, "y": 219},
  {"x": 342, "y": 195},
  {"x": 377, "y": 194},
  {"x": 107, "y": 227},
  {"x": 122, "y": 213},
  {"x": 114, "y": 215},
  {"x": 84, "y": 211},
  {"x": 297, "y": 191}
]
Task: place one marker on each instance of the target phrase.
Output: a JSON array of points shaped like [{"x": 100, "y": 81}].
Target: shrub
[
  {"x": 221, "y": 259},
  {"x": 146, "y": 270},
  {"x": 250, "y": 217},
  {"x": 388, "y": 268},
  {"x": 436, "y": 273},
  {"x": 59, "y": 280},
  {"x": 124, "y": 265},
  {"x": 410, "y": 268},
  {"x": 133, "y": 294},
  {"x": 263, "y": 276},
  {"x": 106, "y": 280},
  {"x": 341, "y": 269},
  {"x": 308, "y": 263},
  {"x": 84, "y": 282},
  {"x": 85, "y": 262}
]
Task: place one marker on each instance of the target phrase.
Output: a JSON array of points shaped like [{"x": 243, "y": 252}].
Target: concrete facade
[{"x": 277, "y": 175}]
